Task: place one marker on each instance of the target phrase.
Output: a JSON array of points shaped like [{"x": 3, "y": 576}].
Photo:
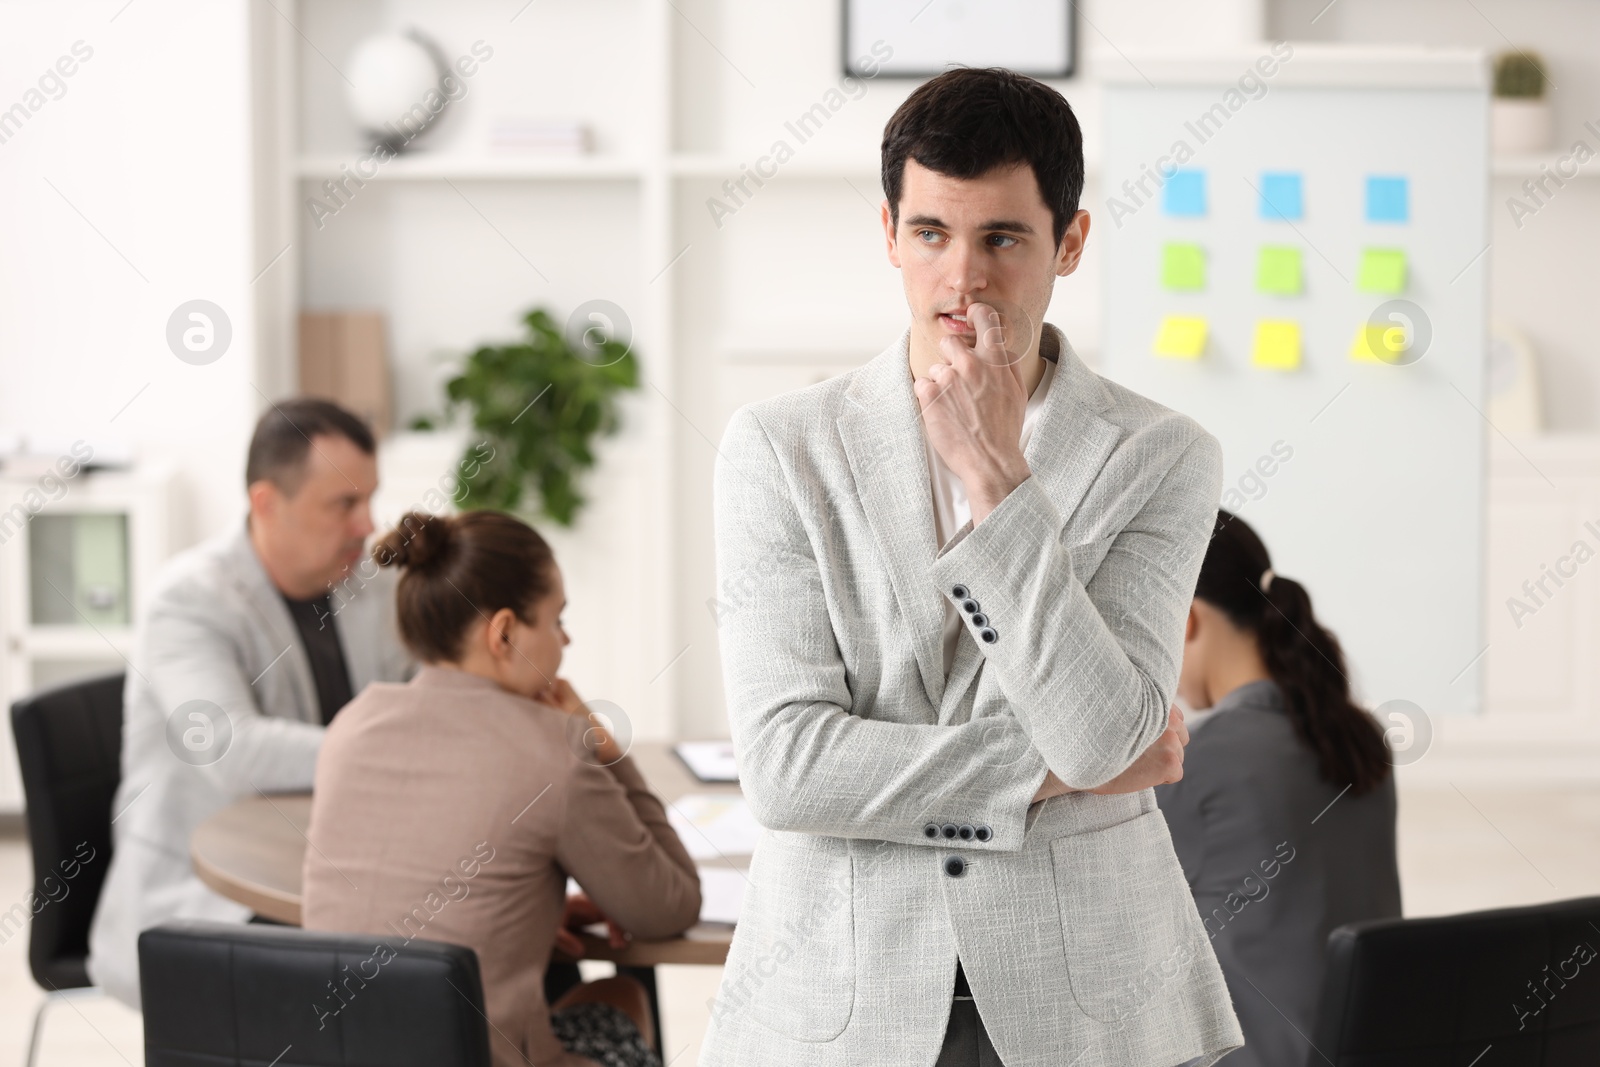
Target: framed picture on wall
[{"x": 922, "y": 38}]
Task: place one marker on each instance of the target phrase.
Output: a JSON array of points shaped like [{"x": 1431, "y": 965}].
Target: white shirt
[{"x": 951, "y": 510}]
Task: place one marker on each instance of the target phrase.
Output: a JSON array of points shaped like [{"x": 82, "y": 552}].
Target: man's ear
[
  {"x": 1191, "y": 625},
  {"x": 888, "y": 233},
  {"x": 1072, "y": 242},
  {"x": 265, "y": 498}
]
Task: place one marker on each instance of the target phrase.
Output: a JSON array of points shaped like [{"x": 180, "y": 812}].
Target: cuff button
[
  {"x": 969, "y": 606},
  {"x": 983, "y": 832},
  {"x": 960, "y": 592},
  {"x": 988, "y": 635},
  {"x": 931, "y": 830},
  {"x": 949, "y": 829},
  {"x": 980, "y": 620},
  {"x": 966, "y": 831}
]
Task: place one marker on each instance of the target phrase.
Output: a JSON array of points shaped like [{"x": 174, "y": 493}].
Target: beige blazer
[
  {"x": 451, "y": 810},
  {"x": 900, "y": 834}
]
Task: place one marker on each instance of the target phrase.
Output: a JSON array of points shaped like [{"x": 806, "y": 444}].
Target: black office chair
[
  {"x": 69, "y": 746},
  {"x": 217, "y": 993},
  {"x": 1437, "y": 991}
]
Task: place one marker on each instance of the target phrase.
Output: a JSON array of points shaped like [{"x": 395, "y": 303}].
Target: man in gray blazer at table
[
  {"x": 250, "y": 644},
  {"x": 955, "y": 583}
]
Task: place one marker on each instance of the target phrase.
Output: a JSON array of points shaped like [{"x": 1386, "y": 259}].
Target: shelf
[
  {"x": 1530, "y": 166},
  {"x": 39, "y": 642},
  {"x": 518, "y": 167},
  {"x": 774, "y": 350}
]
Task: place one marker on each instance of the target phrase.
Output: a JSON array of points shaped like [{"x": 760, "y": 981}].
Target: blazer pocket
[
  {"x": 799, "y": 972},
  {"x": 1087, "y": 557},
  {"x": 1128, "y": 923}
]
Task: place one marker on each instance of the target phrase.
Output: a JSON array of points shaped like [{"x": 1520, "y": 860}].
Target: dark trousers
[{"x": 966, "y": 1042}]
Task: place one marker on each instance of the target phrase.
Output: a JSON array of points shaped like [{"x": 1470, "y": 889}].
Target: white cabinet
[{"x": 77, "y": 556}]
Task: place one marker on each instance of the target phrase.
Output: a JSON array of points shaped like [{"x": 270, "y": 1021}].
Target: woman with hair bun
[
  {"x": 1284, "y": 820},
  {"x": 454, "y": 807}
]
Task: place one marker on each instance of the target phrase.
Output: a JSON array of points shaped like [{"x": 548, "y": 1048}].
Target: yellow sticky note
[
  {"x": 1383, "y": 270},
  {"x": 1277, "y": 344},
  {"x": 1278, "y": 270},
  {"x": 1381, "y": 343},
  {"x": 1181, "y": 337}
]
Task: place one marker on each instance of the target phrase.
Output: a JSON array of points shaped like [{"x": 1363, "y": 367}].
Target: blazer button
[
  {"x": 984, "y": 833},
  {"x": 969, "y": 606},
  {"x": 966, "y": 831},
  {"x": 980, "y": 619},
  {"x": 931, "y": 830},
  {"x": 959, "y": 592},
  {"x": 955, "y": 866},
  {"x": 988, "y": 635},
  {"x": 949, "y": 829}
]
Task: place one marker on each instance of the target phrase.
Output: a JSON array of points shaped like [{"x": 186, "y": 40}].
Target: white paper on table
[
  {"x": 721, "y": 894},
  {"x": 714, "y": 824},
  {"x": 710, "y": 761}
]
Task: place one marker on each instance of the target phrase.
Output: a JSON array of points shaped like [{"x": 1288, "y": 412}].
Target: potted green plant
[
  {"x": 538, "y": 404},
  {"x": 1520, "y": 114}
]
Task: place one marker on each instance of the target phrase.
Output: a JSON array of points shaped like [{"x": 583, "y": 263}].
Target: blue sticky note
[
  {"x": 1281, "y": 196},
  {"x": 1185, "y": 193},
  {"x": 1387, "y": 200}
]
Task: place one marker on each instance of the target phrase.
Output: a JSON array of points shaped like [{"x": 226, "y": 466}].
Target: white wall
[{"x": 124, "y": 198}]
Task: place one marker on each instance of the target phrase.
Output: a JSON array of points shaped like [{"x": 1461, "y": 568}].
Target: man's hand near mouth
[{"x": 972, "y": 404}]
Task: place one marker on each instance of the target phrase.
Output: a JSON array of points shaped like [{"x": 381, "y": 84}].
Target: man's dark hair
[
  {"x": 968, "y": 121},
  {"x": 282, "y": 440}
]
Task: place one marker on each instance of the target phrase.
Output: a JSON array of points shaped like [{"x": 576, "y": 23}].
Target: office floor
[{"x": 1460, "y": 850}]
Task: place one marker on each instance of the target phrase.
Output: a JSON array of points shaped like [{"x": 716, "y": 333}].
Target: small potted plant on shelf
[
  {"x": 1520, "y": 114},
  {"x": 536, "y": 406}
]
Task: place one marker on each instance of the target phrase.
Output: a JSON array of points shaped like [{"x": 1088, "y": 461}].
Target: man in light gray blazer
[
  {"x": 958, "y": 578},
  {"x": 250, "y": 644}
]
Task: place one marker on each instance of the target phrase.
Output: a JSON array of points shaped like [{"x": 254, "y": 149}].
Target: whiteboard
[{"x": 1379, "y": 509}]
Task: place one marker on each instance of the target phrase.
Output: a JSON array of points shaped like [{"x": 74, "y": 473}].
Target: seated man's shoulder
[{"x": 201, "y": 570}]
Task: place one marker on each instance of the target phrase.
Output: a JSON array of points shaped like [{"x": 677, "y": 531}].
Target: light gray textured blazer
[
  {"x": 216, "y": 629},
  {"x": 1071, "y": 917},
  {"x": 1276, "y": 858}
]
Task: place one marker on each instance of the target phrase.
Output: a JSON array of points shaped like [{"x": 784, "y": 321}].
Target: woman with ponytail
[
  {"x": 1284, "y": 820},
  {"x": 454, "y": 807}
]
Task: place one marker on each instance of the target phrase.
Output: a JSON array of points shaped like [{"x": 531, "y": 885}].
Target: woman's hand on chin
[{"x": 560, "y": 695}]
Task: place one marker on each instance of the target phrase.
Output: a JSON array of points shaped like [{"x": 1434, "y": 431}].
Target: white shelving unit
[
  {"x": 54, "y": 641},
  {"x": 453, "y": 242}
]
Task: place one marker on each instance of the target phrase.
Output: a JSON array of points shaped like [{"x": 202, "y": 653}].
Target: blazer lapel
[
  {"x": 1066, "y": 452},
  {"x": 880, "y": 426},
  {"x": 274, "y": 621}
]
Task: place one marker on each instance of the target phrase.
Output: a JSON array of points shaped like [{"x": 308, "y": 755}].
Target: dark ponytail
[{"x": 1304, "y": 659}]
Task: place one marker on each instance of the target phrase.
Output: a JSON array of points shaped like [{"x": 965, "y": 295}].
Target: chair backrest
[
  {"x": 246, "y": 993},
  {"x": 69, "y": 746},
  {"x": 1417, "y": 992}
]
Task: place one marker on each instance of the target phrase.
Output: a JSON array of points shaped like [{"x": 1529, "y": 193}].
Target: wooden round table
[{"x": 252, "y": 851}]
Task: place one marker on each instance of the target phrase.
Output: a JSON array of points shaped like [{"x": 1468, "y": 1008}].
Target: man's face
[
  {"x": 987, "y": 239},
  {"x": 317, "y": 533}
]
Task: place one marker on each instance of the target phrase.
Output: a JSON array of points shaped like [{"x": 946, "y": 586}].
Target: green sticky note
[
  {"x": 1278, "y": 270},
  {"x": 1277, "y": 344},
  {"x": 1183, "y": 266},
  {"x": 1181, "y": 337},
  {"x": 1383, "y": 270}
]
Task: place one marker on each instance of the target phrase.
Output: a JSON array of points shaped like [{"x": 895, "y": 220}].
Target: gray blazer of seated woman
[
  {"x": 1284, "y": 821},
  {"x": 460, "y": 802}
]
